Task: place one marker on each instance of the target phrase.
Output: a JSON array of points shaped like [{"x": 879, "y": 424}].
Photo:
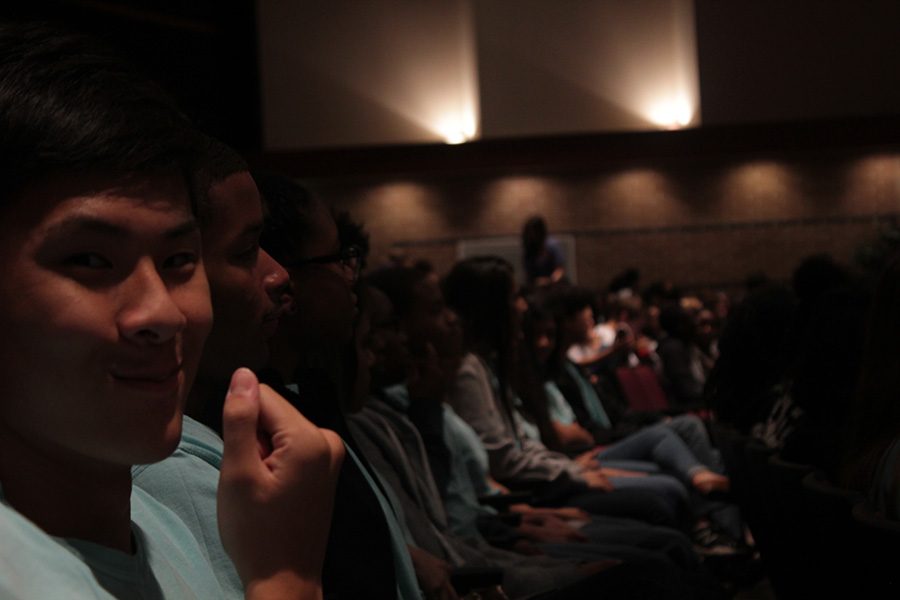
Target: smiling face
[
  {"x": 249, "y": 288},
  {"x": 105, "y": 307}
]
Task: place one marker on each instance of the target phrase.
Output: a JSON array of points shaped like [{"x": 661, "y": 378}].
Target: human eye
[
  {"x": 181, "y": 260},
  {"x": 248, "y": 254},
  {"x": 88, "y": 260}
]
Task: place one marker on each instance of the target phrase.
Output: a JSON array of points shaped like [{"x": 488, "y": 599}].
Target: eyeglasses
[{"x": 348, "y": 258}]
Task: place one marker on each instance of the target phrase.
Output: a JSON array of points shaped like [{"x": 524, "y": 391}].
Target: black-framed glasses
[{"x": 348, "y": 258}]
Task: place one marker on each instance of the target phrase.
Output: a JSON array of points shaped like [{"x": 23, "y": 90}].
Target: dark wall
[
  {"x": 772, "y": 60},
  {"x": 203, "y": 52}
]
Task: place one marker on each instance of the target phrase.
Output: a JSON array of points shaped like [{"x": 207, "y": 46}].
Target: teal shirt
[
  {"x": 187, "y": 483},
  {"x": 35, "y": 565},
  {"x": 407, "y": 585},
  {"x": 589, "y": 396},
  {"x": 167, "y": 563},
  {"x": 468, "y": 476},
  {"x": 558, "y": 407}
]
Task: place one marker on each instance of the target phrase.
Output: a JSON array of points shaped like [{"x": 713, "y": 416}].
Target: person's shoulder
[
  {"x": 37, "y": 566},
  {"x": 472, "y": 364},
  {"x": 173, "y": 551},
  {"x": 201, "y": 441}
]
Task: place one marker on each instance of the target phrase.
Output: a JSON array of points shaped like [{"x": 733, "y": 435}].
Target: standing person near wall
[{"x": 542, "y": 256}]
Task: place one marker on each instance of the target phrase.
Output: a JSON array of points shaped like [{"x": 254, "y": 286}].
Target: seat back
[
  {"x": 832, "y": 546},
  {"x": 879, "y": 547},
  {"x": 784, "y": 549},
  {"x": 642, "y": 390}
]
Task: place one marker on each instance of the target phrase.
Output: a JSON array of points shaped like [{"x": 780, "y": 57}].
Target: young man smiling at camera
[{"x": 105, "y": 310}]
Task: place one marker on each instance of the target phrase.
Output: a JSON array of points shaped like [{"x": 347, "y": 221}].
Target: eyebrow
[{"x": 87, "y": 224}]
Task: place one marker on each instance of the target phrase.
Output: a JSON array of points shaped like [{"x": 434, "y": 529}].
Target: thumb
[{"x": 240, "y": 419}]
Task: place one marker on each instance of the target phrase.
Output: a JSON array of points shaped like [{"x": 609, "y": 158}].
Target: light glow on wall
[
  {"x": 672, "y": 114},
  {"x": 360, "y": 73},
  {"x": 457, "y": 128}
]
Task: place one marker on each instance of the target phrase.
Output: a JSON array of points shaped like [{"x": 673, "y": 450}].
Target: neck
[{"x": 67, "y": 496}]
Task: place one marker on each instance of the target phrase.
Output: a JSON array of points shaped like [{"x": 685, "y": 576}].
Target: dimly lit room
[{"x": 527, "y": 298}]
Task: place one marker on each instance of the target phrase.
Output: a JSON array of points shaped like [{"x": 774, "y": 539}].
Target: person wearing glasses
[{"x": 313, "y": 365}]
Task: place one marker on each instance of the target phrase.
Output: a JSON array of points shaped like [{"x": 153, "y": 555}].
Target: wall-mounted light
[
  {"x": 672, "y": 113},
  {"x": 457, "y": 129}
]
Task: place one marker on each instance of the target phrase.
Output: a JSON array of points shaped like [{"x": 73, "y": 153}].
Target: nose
[
  {"x": 276, "y": 280},
  {"x": 451, "y": 317},
  {"x": 150, "y": 315}
]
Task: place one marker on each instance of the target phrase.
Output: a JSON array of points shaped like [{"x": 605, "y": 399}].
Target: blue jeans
[{"x": 659, "y": 445}]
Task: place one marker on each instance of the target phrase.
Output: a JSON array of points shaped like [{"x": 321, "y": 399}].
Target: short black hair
[
  {"x": 290, "y": 218},
  {"x": 214, "y": 163},
  {"x": 399, "y": 285},
  {"x": 68, "y": 104},
  {"x": 566, "y": 301}
]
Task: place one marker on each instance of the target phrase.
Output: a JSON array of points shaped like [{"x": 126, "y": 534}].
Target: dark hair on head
[
  {"x": 398, "y": 284},
  {"x": 875, "y": 413},
  {"x": 290, "y": 219},
  {"x": 534, "y": 235},
  {"x": 69, "y": 105},
  {"x": 216, "y": 162},
  {"x": 677, "y": 322},
  {"x": 756, "y": 353},
  {"x": 817, "y": 274},
  {"x": 566, "y": 301},
  {"x": 479, "y": 289}
]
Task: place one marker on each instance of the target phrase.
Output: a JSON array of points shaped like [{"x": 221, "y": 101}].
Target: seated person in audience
[
  {"x": 683, "y": 365},
  {"x": 755, "y": 357},
  {"x": 871, "y": 454},
  {"x": 455, "y": 453},
  {"x": 248, "y": 290},
  {"x": 481, "y": 290},
  {"x": 552, "y": 384},
  {"x": 807, "y": 423},
  {"x": 655, "y": 444},
  {"x": 367, "y": 553},
  {"x": 393, "y": 445},
  {"x": 105, "y": 311}
]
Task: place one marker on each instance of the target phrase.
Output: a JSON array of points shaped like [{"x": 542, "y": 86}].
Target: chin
[{"x": 157, "y": 446}]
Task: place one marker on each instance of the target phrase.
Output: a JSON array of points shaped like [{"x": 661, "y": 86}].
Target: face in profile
[
  {"x": 105, "y": 310},
  {"x": 322, "y": 289},
  {"x": 431, "y": 321},
  {"x": 543, "y": 339},
  {"x": 580, "y": 325},
  {"x": 249, "y": 288}
]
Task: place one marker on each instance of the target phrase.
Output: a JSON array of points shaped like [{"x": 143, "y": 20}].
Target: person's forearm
[{"x": 285, "y": 585}]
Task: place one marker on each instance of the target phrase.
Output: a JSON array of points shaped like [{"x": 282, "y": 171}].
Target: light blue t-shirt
[
  {"x": 558, "y": 407},
  {"x": 187, "y": 483},
  {"x": 35, "y": 565},
  {"x": 167, "y": 562},
  {"x": 468, "y": 476},
  {"x": 589, "y": 396}
]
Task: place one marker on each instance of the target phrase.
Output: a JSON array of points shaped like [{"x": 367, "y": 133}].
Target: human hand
[
  {"x": 588, "y": 460},
  {"x": 549, "y": 529},
  {"x": 276, "y": 491},
  {"x": 596, "y": 480},
  {"x": 566, "y": 513},
  {"x": 433, "y": 575},
  {"x": 613, "y": 472}
]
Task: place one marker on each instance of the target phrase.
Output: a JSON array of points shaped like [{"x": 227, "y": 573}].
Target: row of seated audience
[{"x": 414, "y": 436}]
